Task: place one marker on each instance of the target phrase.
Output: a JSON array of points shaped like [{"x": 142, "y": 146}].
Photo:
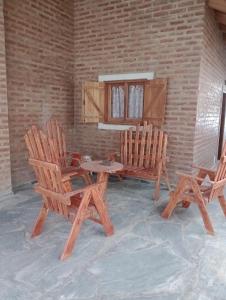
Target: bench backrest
[{"x": 143, "y": 146}]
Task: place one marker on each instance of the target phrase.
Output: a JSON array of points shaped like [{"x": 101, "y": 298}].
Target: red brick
[{"x": 39, "y": 53}]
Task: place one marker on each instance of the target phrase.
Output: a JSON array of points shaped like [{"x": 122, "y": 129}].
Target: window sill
[{"x": 105, "y": 126}]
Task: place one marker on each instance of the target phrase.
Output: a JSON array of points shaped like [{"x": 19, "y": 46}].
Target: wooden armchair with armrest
[
  {"x": 200, "y": 189},
  {"x": 57, "y": 193}
]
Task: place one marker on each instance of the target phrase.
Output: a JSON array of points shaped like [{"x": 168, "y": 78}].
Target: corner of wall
[{"x": 211, "y": 77}]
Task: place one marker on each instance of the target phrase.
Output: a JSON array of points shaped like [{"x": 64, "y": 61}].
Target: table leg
[{"x": 102, "y": 177}]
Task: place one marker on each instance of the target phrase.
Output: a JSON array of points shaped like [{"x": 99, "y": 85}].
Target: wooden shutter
[
  {"x": 155, "y": 100},
  {"x": 93, "y": 102}
]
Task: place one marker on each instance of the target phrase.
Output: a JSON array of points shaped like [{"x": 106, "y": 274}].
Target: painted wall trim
[
  {"x": 127, "y": 76},
  {"x": 113, "y": 126}
]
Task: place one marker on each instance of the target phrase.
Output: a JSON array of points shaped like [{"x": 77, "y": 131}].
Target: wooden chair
[
  {"x": 58, "y": 195},
  {"x": 143, "y": 154},
  {"x": 56, "y": 133},
  {"x": 200, "y": 189}
]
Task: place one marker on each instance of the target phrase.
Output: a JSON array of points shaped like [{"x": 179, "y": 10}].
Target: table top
[{"x": 101, "y": 166}]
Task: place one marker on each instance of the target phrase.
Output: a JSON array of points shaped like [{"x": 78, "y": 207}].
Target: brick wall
[
  {"x": 134, "y": 36},
  {"x": 39, "y": 51},
  {"x": 212, "y": 76},
  {"x": 5, "y": 171},
  {"x": 47, "y": 44}
]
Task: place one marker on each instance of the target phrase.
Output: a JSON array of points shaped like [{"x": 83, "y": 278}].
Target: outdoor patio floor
[{"x": 147, "y": 257}]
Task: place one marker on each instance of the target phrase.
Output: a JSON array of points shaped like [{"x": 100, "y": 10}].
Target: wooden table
[{"x": 103, "y": 170}]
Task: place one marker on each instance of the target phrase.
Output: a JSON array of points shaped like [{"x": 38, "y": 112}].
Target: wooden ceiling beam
[
  {"x": 221, "y": 18},
  {"x": 219, "y": 5}
]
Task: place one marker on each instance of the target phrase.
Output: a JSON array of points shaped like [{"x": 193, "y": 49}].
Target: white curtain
[
  {"x": 117, "y": 102},
  {"x": 136, "y": 96}
]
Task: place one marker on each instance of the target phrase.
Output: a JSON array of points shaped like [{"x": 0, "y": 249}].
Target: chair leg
[
  {"x": 222, "y": 203},
  {"x": 156, "y": 195},
  {"x": 170, "y": 206},
  {"x": 87, "y": 179},
  {"x": 37, "y": 229},
  {"x": 103, "y": 213},
  {"x": 72, "y": 238},
  {"x": 75, "y": 227},
  {"x": 174, "y": 198},
  {"x": 166, "y": 177},
  {"x": 202, "y": 207},
  {"x": 205, "y": 217},
  {"x": 120, "y": 178}
]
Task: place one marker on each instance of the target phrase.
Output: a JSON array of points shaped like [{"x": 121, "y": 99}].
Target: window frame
[{"x": 108, "y": 92}]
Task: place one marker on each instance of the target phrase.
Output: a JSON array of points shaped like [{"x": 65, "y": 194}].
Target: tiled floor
[{"x": 146, "y": 258}]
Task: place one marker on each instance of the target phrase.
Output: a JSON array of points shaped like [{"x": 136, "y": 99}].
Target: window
[{"x": 124, "y": 101}]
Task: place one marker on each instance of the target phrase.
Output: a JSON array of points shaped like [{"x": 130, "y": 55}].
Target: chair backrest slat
[
  {"x": 125, "y": 147},
  {"x": 160, "y": 144},
  {"x": 130, "y": 146},
  {"x": 56, "y": 133},
  {"x": 136, "y": 146},
  {"x": 148, "y": 147},
  {"x": 154, "y": 148},
  {"x": 32, "y": 143},
  {"x": 143, "y": 146}
]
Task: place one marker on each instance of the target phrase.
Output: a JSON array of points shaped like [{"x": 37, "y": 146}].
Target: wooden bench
[{"x": 143, "y": 154}]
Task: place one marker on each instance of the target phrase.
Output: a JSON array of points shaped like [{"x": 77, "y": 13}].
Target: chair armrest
[
  {"x": 68, "y": 155},
  {"x": 66, "y": 178},
  {"x": 220, "y": 183},
  {"x": 203, "y": 169},
  {"x": 69, "y": 171},
  {"x": 83, "y": 190},
  {"x": 191, "y": 177}
]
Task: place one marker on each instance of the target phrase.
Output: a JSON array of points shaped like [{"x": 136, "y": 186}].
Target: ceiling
[{"x": 220, "y": 10}]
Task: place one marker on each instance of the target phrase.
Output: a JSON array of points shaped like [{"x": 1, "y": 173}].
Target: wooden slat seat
[
  {"x": 142, "y": 173},
  {"x": 57, "y": 193},
  {"x": 143, "y": 154},
  {"x": 195, "y": 189}
]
